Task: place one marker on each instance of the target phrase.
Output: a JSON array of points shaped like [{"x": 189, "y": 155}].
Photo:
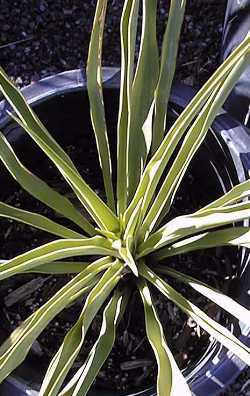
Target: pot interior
[{"x": 67, "y": 118}]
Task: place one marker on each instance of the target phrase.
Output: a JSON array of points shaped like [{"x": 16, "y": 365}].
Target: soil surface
[{"x": 42, "y": 37}]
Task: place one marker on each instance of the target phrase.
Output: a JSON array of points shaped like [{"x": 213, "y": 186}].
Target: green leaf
[
  {"x": 56, "y": 250},
  {"x": 235, "y": 236},
  {"x": 103, "y": 216},
  {"x": 237, "y": 193},
  {"x": 31, "y": 124},
  {"x": 133, "y": 223},
  {"x": 128, "y": 37},
  {"x": 80, "y": 384},
  {"x": 97, "y": 111},
  {"x": 66, "y": 355},
  {"x": 220, "y": 333},
  {"x": 100, "y": 212},
  {"x": 223, "y": 301},
  {"x": 37, "y": 221},
  {"x": 60, "y": 267},
  {"x": 27, "y": 115},
  {"x": 170, "y": 381},
  {"x": 188, "y": 225},
  {"x": 128, "y": 258},
  {"x": 142, "y": 96},
  {"x": 39, "y": 189},
  {"x": 14, "y": 350},
  {"x": 167, "y": 69},
  {"x": 189, "y": 147},
  {"x": 159, "y": 161}
]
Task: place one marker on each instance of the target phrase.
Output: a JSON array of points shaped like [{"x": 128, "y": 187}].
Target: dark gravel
[{"x": 42, "y": 37}]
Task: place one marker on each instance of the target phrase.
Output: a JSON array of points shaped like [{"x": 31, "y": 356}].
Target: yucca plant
[{"x": 127, "y": 232}]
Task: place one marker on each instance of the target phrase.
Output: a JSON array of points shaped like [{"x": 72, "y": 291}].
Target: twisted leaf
[
  {"x": 142, "y": 96},
  {"x": 97, "y": 111},
  {"x": 56, "y": 250},
  {"x": 39, "y": 189},
  {"x": 37, "y": 221},
  {"x": 66, "y": 355},
  {"x": 190, "y": 145},
  {"x": 217, "y": 331},
  {"x": 160, "y": 159},
  {"x": 14, "y": 350},
  {"x": 170, "y": 381},
  {"x": 185, "y": 226},
  {"x": 128, "y": 37},
  {"x": 235, "y": 236},
  {"x": 167, "y": 69},
  {"x": 85, "y": 375},
  {"x": 219, "y": 298}
]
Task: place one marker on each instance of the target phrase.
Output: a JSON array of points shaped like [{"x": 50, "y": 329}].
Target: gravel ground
[{"x": 42, "y": 37}]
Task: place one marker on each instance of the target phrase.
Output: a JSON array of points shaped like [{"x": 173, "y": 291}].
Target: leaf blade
[
  {"x": 217, "y": 331},
  {"x": 128, "y": 29},
  {"x": 98, "y": 210},
  {"x": 64, "y": 358},
  {"x": 56, "y": 250},
  {"x": 37, "y": 221},
  {"x": 187, "y": 225},
  {"x": 148, "y": 65},
  {"x": 27, "y": 119},
  {"x": 39, "y": 189},
  {"x": 190, "y": 145},
  {"x": 222, "y": 300},
  {"x": 170, "y": 381},
  {"x": 167, "y": 69},
  {"x": 158, "y": 162},
  {"x": 80, "y": 384},
  {"x": 95, "y": 93},
  {"x": 234, "y": 236},
  {"x": 14, "y": 350}
]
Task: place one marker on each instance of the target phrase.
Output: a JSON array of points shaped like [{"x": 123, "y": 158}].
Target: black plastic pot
[{"x": 61, "y": 102}]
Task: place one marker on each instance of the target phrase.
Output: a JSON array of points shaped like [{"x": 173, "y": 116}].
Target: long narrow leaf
[
  {"x": 80, "y": 384},
  {"x": 142, "y": 95},
  {"x": 185, "y": 226},
  {"x": 128, "y": 258},
  {"x": 158, "y": 162},
  {"x": 97, "y": 111},
  {"x": 39, "y": 189},
  {"x": 220, "y": 333},
  {"x": 29, "y": 122},
  {"x": 99, "y": 211},
  {"x": 37, "y": 221},
  {"x": 56, "y": 250},
  {"x": 170, "y": 381},
  {"x": 223, "y": 301},
  {"x": 190, "y": 145},
  {"x": 60, "y": 267},
  {"x": 134, "y": 223},
  {"x": 14, "y": 350},
  {"x": 235, "y": 236},
  {"x": 66, "y": 355},
  {"x": 27, "y": 115},
  {"x": 167, "y": 69},
  {"x": 128, "y": 37},
  {"x": 237, "y": 193}
]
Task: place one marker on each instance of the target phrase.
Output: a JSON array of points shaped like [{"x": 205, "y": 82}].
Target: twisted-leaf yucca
[{"x": 124, "y": 231}]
